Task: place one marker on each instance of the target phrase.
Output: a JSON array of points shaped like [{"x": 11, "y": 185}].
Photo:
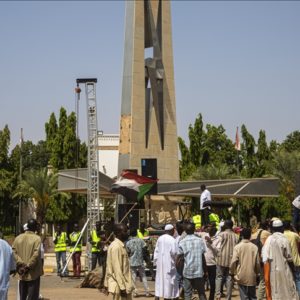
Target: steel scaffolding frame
[{"x": 93, "y": 201}]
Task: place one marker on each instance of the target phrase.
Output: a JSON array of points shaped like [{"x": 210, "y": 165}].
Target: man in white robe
[
  {"x": 277, "y": 252},
  {"x": 166, "y": 284}
]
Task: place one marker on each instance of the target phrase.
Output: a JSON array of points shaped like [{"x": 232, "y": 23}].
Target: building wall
[{"x": 108, "y": 150}]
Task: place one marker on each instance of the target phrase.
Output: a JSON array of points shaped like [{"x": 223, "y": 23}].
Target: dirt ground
[{"x": 53, "y": 288}]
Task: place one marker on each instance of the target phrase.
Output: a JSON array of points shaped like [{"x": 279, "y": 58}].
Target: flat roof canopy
[
  {"x": 75, "y": 181},
  {"x": 225, "y": 188}
]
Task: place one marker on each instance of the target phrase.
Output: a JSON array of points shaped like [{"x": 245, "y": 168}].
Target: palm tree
[
  {"x": 211, "y": 172},
  {"x": 41, "y": 187},
  {"x": 285, "y": 164}
]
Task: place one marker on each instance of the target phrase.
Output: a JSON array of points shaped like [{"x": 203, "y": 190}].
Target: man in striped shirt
[
  {"x": 226, "y": 242},
  {"x": 193, "y": 249}
]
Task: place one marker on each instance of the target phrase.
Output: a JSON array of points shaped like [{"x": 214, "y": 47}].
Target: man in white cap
[
  {"x": 277, "y": 253},
  {"x": 296, "y": 211},
  {"x": 166, "y": 284}
]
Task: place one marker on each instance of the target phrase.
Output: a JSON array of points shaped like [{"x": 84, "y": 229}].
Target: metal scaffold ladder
[{"x": 93, "y": 201}]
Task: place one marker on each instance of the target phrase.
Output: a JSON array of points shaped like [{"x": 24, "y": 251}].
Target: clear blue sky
[{"x": 235, "y": 62}]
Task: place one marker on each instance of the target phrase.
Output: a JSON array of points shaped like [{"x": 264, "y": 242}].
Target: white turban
[
  {"x": 277, "y": 223},
  {"x": 169, "y": 227}
]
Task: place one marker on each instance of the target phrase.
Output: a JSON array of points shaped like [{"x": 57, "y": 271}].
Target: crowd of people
[
  {"x": 262, "y": 262},
  {"x": 190, "y": 257},
  {"x": 25, "y": 258}
]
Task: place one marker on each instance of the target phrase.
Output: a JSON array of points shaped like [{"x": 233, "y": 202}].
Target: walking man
[
  {"x": 225, "y": 244},
  {"x": 245, "y": 265},
  {"x": 210, "y": 259},
  {"x": 26, "y": 249},
  {"x": 166, "y": 284},
  {"x": 193, "y": 249},
  {"x": 60, "y": 241},
  {"x": 277, "y": 252},
  {"x": 136, "y": 247},
  {"x": 259, "y": 238},
  {"x": 76, "y": 251},
  {"x": 118, "y": 277}
]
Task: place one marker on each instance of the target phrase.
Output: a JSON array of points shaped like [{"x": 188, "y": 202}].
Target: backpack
[{"x": 258, "y": 242}]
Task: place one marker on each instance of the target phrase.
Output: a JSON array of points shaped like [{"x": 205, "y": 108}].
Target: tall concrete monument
[{"x": 148, "y": 114}]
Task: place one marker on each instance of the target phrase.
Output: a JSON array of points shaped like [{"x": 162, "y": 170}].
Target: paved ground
[{"x": 53, "y": 288}]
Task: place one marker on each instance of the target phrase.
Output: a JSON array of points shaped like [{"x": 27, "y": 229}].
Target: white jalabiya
[
  {"x": 277, "y": 251},
  {"x": 166, "y": 285}
]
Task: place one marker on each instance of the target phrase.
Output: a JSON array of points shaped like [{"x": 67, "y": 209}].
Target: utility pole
[{"x": 237, "y": 147}]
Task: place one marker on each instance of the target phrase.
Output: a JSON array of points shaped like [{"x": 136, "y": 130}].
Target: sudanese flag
[{"x": 132, "y": 186}]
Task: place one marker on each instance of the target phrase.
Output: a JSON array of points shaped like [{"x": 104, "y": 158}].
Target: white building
[{"x": 108, "y": 150}]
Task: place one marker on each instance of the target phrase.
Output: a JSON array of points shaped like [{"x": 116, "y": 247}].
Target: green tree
[
  {"x": 83, "y": 155},
  {"x": 262, "y": 154},
  {"x": 57, "y": 152},
  {"x": 292, "y": 142},
  {"x": 186, "y": 167},
  {"x": 285, "y": 164},
  {"x": 70, "y": 148},
  {"x": 41, "y": 187},
  {"x": 39, "y": 156},
  {"x": 218, "y": 148},
  {"x": 207, "y": 148},
  {"x": 196, "y": 139},
  {"x": 212, "y": 172},
  {"x": 279, "y": 207},
  {"x": 63, "y": 147},
  {"x": 273, "y": 147},
  {"x": 4, "y": 147},
  {"x": 51, "y": 129},
  {"x": 27, "y": 147},
  {"x": 8, "y": 208},
  {"x": 248, "y": 153},
  {"x": 7, "y": 181}
]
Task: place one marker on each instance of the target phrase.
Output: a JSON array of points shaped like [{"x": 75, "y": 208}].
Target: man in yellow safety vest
[
  {"x": 142, "y": 232},
  {"x": 214, "y": 219},
  {"x": 76, "y": 252},
  {"x": 97, "y": 252},
  {"x": 60, "y": 241},
  {"x": 197, "y": 221}
]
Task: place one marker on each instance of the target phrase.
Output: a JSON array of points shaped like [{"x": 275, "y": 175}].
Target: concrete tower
[{"x": 148, "y": 114}]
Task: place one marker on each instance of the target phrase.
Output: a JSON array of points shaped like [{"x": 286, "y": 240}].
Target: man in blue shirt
[
  {"x": 193, "y": 249},
  {"x": 7, "y": 265},
  {"x": 135, "y": 248}
]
